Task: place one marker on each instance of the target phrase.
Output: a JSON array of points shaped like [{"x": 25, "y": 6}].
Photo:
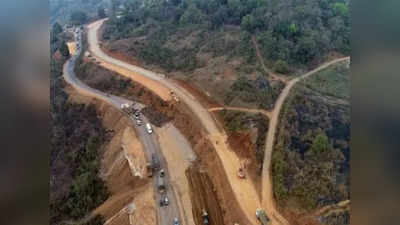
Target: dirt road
[
  {"x": 244, "y": 190},
  {"x": 167, "y": 214},
  {"x": 267, "y": 193},
  {"x": 264, "y": 112},
  {"x": 271, "y": 73}
]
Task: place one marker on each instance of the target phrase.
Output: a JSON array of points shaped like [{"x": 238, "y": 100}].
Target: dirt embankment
[
  {"x": 179, "y": 115},
  {"x": 124, "y": 188},
  {"x": 203, "y": 197}
]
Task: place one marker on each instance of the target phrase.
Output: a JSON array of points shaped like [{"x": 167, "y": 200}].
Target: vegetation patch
[
  {"x": 311, "y": 157},
  {"x": 250, "y": 128},
  {"x": 260, "y": 91},
  {"x": 76, "y": 140}
]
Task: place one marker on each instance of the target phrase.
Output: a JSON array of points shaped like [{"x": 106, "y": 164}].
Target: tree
[
  {"x": 320, "y": 144},
  {"x": 64, "y": 49},
  {"x": 101, "y": 13},
  {"x": 78, "y": 17},
  {"x": 340, "y": 9},
  {"x": 192, "y": 16},
  {"x": 248, "y": 23},
  {"x": 57, "y": 28},
  {"x": 281, "y": 66}
]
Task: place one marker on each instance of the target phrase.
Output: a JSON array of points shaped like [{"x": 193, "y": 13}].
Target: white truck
[{"x": 148, "y": 128}]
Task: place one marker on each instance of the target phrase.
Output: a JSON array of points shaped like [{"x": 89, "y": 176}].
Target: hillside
[
  {"x": 311, "y": 159},
  {"x": 209, "y": 44}
]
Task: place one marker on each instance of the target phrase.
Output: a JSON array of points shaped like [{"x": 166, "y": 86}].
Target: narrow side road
[
  {"x": 267, "y": 191},
  {"x": 264, "y": 112},
  {"x": 273, "y": 75}
]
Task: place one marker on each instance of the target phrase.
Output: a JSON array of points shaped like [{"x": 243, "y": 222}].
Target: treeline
[{"x": 293, "y": 32}]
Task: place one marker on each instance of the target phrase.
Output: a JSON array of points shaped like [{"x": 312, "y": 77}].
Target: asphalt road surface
[{"x": 165, "y": 214}]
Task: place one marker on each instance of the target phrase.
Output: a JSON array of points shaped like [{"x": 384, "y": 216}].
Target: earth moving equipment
[{"x": 241, "y": 172}]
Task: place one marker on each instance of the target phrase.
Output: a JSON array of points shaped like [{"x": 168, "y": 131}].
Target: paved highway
[{"x": 165, "y": 214}]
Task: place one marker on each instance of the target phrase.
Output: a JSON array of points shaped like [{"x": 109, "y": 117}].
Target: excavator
[{"x": 241, "y": 172}]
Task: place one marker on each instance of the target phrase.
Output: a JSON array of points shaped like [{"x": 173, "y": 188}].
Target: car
[
  {"x": 139, "y": 122},
  {"x": 162, "y": 173},
  {"x": 148, "y": 128},
  {"x": 176, "y": 221},
  {"x": 164, "y": 201}
]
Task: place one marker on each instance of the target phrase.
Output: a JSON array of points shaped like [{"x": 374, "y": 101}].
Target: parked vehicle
[
  {"x": 162, "y": 173},
  {"x": 164, "y": 201},
  {"x": 149, "y": 169},
  {"x": 155, "y": 162},
  {"x": 136, "y": 114},
  {"x": 139, "y": 122},
  {"x": 205, "y": 217},
  {"x": 176, "y": 221},
  {"x": 161, "y": 185},
  {"x": 148, "y": 128}
]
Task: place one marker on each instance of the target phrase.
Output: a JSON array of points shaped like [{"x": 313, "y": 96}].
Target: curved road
[
  {"x": 166, "y": 214},
  {"x": 244, "y": 190},
  {"x": 267, "y": 193}
]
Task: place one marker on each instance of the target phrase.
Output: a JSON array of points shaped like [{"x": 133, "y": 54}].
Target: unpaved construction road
[
  {"x": 166, "y": 214},
  {"x": 267, "y": 193},
  {"x": 248, "y": 110},
  {"x": 244, "y": 190}
]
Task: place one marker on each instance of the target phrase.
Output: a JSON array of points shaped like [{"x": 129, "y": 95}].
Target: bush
[
  {"x": 281, "y": 67},
  {"x": 78, "y": 17}
]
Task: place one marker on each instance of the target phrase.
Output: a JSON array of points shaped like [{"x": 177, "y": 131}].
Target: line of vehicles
[
  {"x": 154, "y": 167},
  {"x": 131, "y": 111}
]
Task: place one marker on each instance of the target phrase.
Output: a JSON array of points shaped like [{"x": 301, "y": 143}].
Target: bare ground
[{"x": 123, "y": 186}]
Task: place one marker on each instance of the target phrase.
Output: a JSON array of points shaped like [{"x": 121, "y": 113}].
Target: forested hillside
[
  {"x": 62, "y": 10},
  {"x": 212, "y": 44},
  {"x": 293, "y": 31}
]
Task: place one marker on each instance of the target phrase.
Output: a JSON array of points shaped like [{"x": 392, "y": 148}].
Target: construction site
[{"x": 170, "y": 153}]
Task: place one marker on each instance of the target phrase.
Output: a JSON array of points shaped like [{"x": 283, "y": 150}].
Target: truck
[
  {"x": 205, "y": 217},
  {"x": 160, "y": 184},
  {"x": 155, "y": 162},
  {"x": 149, "y": 170},
  {"x": 262, "y": 217},
  {"x": 148, "y": 128}
]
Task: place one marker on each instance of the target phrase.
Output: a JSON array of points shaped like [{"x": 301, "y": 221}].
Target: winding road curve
[
  {"x": 243, "y": 189},
  {"x": 245, "y": 192},
  {"x": 267, "y": 193},
  {"x": 165, "y": 215}
]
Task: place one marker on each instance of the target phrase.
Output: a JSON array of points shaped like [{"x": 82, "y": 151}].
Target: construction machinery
[
  {"x": 173, "y": 95},
  {"x": 262, "y": 217},
  {"x": 241, "y": 171}
]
